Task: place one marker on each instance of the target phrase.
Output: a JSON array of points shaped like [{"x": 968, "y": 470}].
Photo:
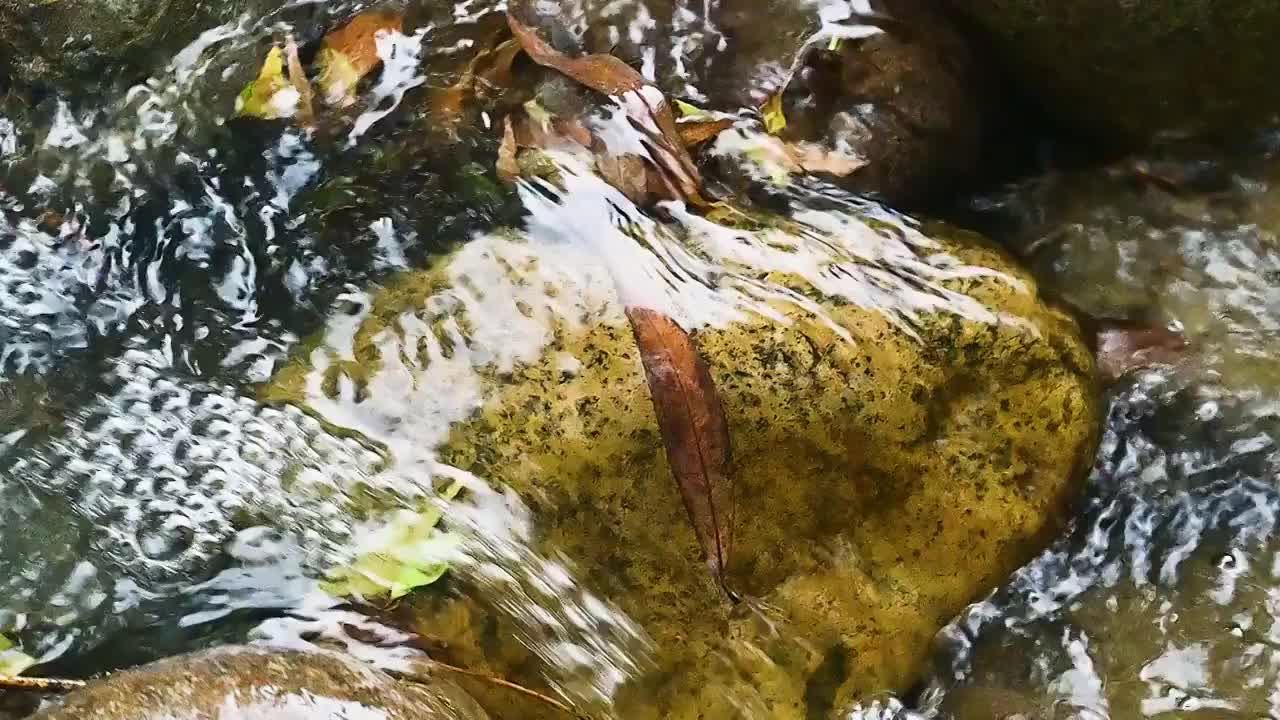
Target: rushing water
[{"x": 162, "y": 264}]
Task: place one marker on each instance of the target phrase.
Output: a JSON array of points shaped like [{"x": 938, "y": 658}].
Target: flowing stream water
[{"x": 201, "y": 416}]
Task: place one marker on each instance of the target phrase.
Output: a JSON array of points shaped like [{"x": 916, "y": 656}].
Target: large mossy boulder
[
  {"x": 261, "y": 684},
  {"x": 908, "y": 420},
  {"x": 1125, "y": 71}
]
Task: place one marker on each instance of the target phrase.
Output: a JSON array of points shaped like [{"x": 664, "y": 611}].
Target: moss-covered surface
[
  {"x": 1127, "y": 70},
  {"x": 883, "y": 482},
  {"x": 54, "y": 42}
]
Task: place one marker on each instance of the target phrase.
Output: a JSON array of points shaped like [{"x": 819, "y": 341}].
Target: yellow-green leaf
[
  {"x": 338, "y": 77},
  {"x": 775, "y": 120},
  {"x": 12, "y": 660},
  {"x": 409, "y": 553},
  {"x": 688, "y": 110},
  {"x": 270, "y": 96}
]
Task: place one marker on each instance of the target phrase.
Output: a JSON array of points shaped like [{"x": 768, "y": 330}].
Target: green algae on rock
[
  {"x": 1126, "y": 71},
  {"x": 909, "y": 422},
  {"x": 259, "y": 684},
  {"x": 55, "y": 42}
]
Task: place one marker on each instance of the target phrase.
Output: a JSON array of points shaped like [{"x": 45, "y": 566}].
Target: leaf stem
[{"x": 491, "y": 679}]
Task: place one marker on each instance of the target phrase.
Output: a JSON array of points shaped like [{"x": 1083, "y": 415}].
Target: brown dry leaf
[
  {"x": 812, "y": 157},
  {"x": 350, "y": 53},
  {"x": 298, "y": 77},
  {"x": 628, "y": 173},
  {"x": 648, "y": 110},
  {"x": 696, "y": 132},
  {"x": 1121, "y": 348},
  {"x": 508, "y": 168},
  {"x": 496, "y": 72},
  {"x": 487, "y": 70},
  {"x": 694, "y": 430}
]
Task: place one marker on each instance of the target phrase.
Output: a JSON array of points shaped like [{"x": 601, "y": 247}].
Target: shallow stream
[{"x": 235, "y": 355}]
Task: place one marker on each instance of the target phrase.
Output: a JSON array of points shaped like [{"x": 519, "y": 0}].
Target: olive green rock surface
[
  {"x": 1125, "y": 71},
  {"x": 244, "y": 683},
  {"x": 908, "y": 422}
]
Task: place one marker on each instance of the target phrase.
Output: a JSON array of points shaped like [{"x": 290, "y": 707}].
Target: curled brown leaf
[
  {"x": 508, "y": 167},
  {"x": 298, "y": 77},
  {"x": 351, "y": 52},
  {"x": 694, "y": 430},
  {"x": 696, "y": 132},
  {"x": 489, "y": 70}
]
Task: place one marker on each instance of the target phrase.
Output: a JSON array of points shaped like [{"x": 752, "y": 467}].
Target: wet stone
[
  {"x": 900, "y": 444},
  {"x": 251, "y": 683}
]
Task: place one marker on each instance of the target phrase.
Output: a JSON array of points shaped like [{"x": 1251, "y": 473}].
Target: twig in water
[
  {"x": 13, "y": 682},
  {"x": 491, "y": 679}
]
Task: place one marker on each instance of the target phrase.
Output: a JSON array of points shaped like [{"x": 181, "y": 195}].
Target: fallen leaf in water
[
  {"x": 508, "y": 168},
  {"x": 489, "y": 70},
  {"x": 778, "y": 159},
  {"x": 775, "y": 118},
  {"x": 350, "y": 53},
  {"x": 694, "y": 430},
  {"x": 1122, "y": 348},
  {"x": 815, "y": 158},
  {"x": 410, "y": 552},
  {"x": 648, "y": 110},
  {"x": 628, "y": 173},
  {"x": 696, "y": 132},
  {"x": 13, "y": 661},
  {"x": 298, "y": 78},
  {"x": 270, "y": 96}
]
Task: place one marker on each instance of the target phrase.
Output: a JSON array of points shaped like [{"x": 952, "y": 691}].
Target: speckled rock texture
[
  {"x": 892, "y": 463},
  {"x": 57, "y": 42},
  {"x": 244, "y": 683},
  {"x": 1125, "y": 71}
]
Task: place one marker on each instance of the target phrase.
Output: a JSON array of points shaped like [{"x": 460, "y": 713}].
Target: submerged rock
[
  {"x": 1126, "y": 71},
  {"x": 260, "y": 684},
  {"x": 1182, "y": 238},
  {"x": 908, "y": 103},
  {"x": 52, "y": 42},
  {"x": 908, "y": 421},
  {"x": 898, "y": 109}
]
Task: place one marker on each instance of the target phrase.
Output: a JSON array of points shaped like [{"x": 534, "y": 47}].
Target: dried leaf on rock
[
  {"x": 647, "y": 109},
  {"x": 350, "y": 53},
  {"x": 694, "y": 429}
]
